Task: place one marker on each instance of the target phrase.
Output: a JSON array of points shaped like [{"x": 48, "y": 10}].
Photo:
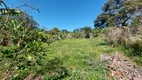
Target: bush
[
  {"x": 22, "y": 52},
  {"x": 98, "y": 31},
  {"x": 76, "y": 35},
  {"x": 129, "y": 37}
]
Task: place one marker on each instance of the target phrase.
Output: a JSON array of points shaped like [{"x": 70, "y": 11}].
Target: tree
[
  {"x": 86, "y": 31},
  {"x": 82, "y": 32},
  {"x": 28, "y": 20},
  {"x": 77, "y": 33},
  {"x": 118, "y": 13},
  {"x": 136, "y": 6},
  {"x": 77, "y": 30},
  {"x": 54, "y": 31},
  {"x": 64, "y": 31},
  {"x": 137, "y": 21},
  {"x": 7, "y": 13}
]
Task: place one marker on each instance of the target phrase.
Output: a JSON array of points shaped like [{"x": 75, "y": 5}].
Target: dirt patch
[{"x": 121, "y": 67}]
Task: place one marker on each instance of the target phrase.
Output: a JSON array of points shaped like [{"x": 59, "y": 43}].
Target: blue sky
[{"x": 63, "y": 14}]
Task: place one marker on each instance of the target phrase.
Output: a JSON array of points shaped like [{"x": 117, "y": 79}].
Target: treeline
[{"x": 84, "y": 32}]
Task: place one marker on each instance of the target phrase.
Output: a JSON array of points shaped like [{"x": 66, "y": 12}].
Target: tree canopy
[{"x": 118, "y": 13}]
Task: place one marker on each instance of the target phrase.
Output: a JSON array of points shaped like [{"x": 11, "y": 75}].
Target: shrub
[
  {"x": 129, "y": 37},
  {"x": 76, "y": 35},
  {"x": 22, "y": 52}
]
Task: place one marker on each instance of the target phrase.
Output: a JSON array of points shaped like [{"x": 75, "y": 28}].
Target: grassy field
[
  {"x": 81, "y": 56},
  {"x": 77, "y": 59}
]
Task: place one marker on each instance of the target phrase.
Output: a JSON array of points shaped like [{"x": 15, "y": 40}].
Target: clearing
[{"x": 82, "y": 57}]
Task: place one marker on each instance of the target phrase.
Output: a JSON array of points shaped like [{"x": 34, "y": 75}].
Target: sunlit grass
[{"x": 76, "y": 54}]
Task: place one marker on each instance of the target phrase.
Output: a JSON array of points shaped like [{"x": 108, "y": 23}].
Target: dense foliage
[
  {"x": 118, "y": 13},
  {"x": 21, "y": 50},
  {"x": 127, "y": 14}
]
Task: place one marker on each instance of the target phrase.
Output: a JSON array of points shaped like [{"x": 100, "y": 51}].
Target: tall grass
[{"x": 128, "y": 37}]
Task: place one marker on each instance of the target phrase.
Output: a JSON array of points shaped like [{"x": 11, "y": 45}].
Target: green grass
[
  {"x": 129, "y": 53},
  {"x": 81, "y": 57}
]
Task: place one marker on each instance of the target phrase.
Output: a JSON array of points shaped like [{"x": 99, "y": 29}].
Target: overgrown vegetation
[
  {"x": 128, "y": 37},
  {"x": 21, "y": 52},
  {"x": 28, "y": 52},
  {"x": 125, "y": 16}
]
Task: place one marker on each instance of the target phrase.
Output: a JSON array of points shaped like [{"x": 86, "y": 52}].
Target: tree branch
[{"x": 27, "y": 5}]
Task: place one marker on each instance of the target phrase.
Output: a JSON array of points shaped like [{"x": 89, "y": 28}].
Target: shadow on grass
[{"x": 103, "y": 44}]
